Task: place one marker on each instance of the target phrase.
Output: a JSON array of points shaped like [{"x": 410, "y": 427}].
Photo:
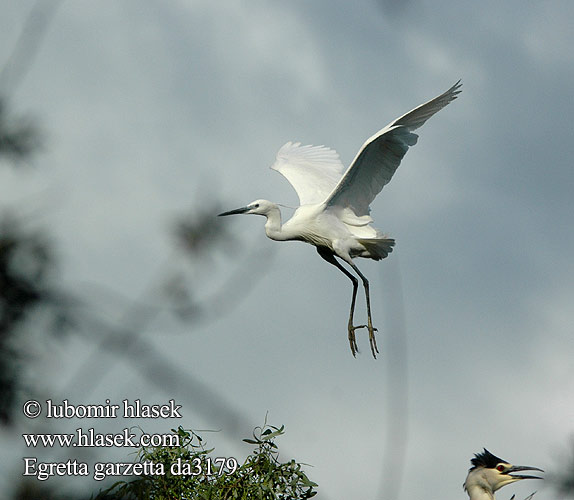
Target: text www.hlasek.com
[{"x": 90, "y": 438}]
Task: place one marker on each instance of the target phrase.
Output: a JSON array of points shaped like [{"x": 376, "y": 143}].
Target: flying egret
[
  {"x": 334, "y": 204},
  {"x": 490, "y": 473}
]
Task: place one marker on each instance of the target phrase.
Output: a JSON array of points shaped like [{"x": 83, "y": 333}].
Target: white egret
[
  {"x": 334, "y": 204},
  {"x": 490, "y": 473}
]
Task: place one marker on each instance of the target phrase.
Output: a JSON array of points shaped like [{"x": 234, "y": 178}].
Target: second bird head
[{"x": 490, "y": 473}]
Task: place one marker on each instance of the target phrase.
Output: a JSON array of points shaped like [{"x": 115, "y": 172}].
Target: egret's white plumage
[
  {"x": 334, "y": 203},
  {"x": 313, "y": 171}
]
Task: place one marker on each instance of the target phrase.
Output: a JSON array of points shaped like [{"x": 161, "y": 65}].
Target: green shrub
[{"x": 191, "y": 472}]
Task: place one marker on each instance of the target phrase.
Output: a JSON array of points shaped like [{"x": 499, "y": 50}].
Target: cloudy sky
[{"x": 151, "y": 110}]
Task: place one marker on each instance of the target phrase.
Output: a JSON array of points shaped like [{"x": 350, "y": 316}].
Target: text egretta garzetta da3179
[{"x": 334, "y": 203}]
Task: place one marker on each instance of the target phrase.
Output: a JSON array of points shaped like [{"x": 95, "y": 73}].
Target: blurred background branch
[
  {"x": 27, "y": 45},
  {"x": 19, "y": 137},
  {"x": 29, "y": 287}
]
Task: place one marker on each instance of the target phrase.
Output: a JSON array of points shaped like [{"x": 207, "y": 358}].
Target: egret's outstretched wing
[
  {"x": 376, "y": 162},
  {"x": 313, "y": 171}
]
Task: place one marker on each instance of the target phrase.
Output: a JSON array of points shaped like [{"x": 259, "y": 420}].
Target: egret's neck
[{"x": 273, "y": 224}]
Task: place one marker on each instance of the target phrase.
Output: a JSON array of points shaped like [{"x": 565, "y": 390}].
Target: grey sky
[{"x": 153, "y": 108}]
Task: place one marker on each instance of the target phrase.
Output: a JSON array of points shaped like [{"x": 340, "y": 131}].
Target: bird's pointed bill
[
  {"x": 519, "y": 468},
  {"x": 241, "y": 210}
]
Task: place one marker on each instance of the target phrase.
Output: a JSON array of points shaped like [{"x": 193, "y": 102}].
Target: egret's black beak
[
  {"x": 518, "y": 468},
  {"x": 241, "y": 210}
]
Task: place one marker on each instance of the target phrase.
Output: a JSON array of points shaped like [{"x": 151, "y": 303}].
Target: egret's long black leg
[
  {"x": 372, "y": 330},
  {"x": 330, "y": 258}
]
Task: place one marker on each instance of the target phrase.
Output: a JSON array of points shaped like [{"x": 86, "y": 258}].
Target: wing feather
[
  {"x": 313, "y": 171},
  {"x": 380, "y": 156}
]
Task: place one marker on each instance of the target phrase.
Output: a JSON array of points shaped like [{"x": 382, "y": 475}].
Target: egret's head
[
  {"x": 257, "y": 207},
  {"x": 491, "y": 473}
]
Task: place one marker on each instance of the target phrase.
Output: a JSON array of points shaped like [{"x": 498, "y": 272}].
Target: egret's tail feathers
[{"x": 378, "y": 248}]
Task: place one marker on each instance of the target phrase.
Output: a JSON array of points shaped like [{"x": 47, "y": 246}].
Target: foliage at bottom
[{"x": 189, "y": 471}]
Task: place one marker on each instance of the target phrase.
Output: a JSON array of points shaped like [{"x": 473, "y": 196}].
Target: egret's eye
[
  {"x": 500, "y": 468},
  {"x": 256, "y": 205}
]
